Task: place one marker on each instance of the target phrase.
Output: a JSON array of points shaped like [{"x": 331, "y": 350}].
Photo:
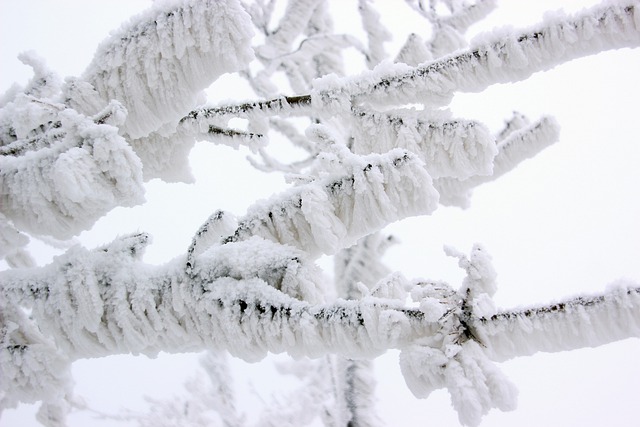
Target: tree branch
[
  {"x": 585, "y": 321},
  {"x": 511, "y": 58}
]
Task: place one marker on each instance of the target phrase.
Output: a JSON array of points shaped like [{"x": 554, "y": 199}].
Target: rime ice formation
[
  {"x": 334, "y": 212},
  {"x": 157, "y": 64},
  {"x": 377, "y": 148},
  {"x": 83, "y": 170}
]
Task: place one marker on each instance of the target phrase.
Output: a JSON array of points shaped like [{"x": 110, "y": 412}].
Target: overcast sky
[{"x": 565, "y": 222}]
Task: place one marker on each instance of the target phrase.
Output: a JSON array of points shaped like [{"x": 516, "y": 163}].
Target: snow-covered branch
[
  {"x": 518, "y": 142},
  {"x": 251, "y": 298},
  {"x": 82, "y": 172},
  {"x": 449, "y": 148},
  {"x": 103, "y": 302},
  {"x": 332, "y": 213},
  {"x": 584, "y": 321},
  {"x": 158, "y": 64},
  {"x": 507, "y": 57}
]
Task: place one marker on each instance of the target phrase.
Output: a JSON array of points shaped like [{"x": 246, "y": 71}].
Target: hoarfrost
[
  {"x": 85, "y": 170},
  {"x": 332, "y": 213},
  {"x": 158, "y": 64}
]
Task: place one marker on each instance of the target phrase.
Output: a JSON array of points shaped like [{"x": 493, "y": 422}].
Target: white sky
[{"x": 563, "y": 223}]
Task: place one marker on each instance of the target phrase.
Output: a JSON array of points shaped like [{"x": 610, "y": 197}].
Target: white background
[{"x": 563, "y": 223}]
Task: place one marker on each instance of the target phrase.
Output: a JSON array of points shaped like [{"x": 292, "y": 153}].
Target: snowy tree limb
[
  {"x": 448, "y": 147},
  {"x": 103, "y": 302},
  {"x": 513, "y": 57},
  {"x": 84, "y": 171},
  {"x": 517, "y": 142},
  {"x": 158, "y": 64},
  {"x": 585, "y": 321},
  {"x": 334, "y": 212}
]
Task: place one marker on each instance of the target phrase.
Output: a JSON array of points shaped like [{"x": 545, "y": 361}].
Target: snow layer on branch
[
  {"x": 333, "y": 212},
  {"x": 468, "y": 15},
  {"x": 504, "y": 57},
  {"x": 105, "y": 301},
  {"x": 474, "y": 383},
  {"x": 84, "y": 171},
  {"x": 584, "y": 321},
  {"x": 521, "y": 142},
  {"x": 166, "y": 158},
  {"x": 449, "y": 148},
  {"x": 12, "y": 243},
  {"x": 282, "y": 267},
  {"x": 158, "y": 63},
  {"x": 31, "y": 367}
]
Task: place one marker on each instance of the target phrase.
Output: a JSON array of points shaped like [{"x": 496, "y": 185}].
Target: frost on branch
[
  {"x": 157, "y": 64},
  {"x": 454, "y": 357},
  {"x": 519, "y": 141},
  {"x": 504, "y": 57},
  {"x": 81, "y": 171},
  {"x": 105, "y": 301},
  {"x": 333, "y": 212},
  {"x": 449, "y": 148},
  {"x": 584, "y": 321},
  {"x": 379, "y": 150}
]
